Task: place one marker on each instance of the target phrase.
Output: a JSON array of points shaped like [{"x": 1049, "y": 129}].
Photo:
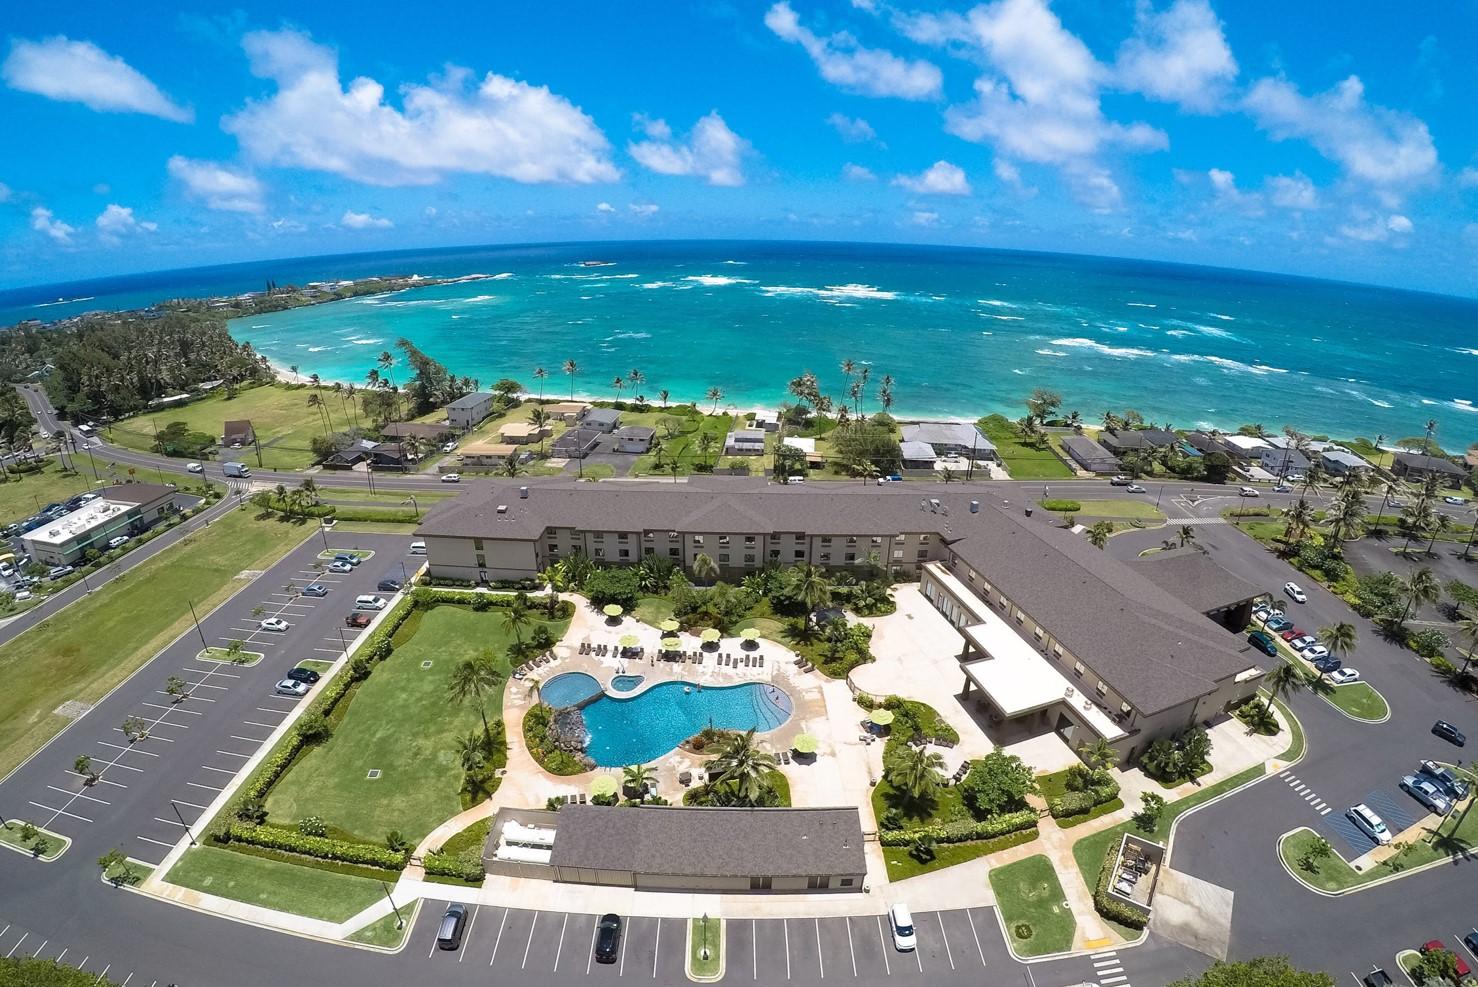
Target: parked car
[
  {"x": 1344, "y": 676},
  {"x": 1300, "y": 640},
  {"x": 348, "y": 557},
  {"x": 1134, "y": 488},
  {"x": 369, "y": 602},
  {"x": 117, "y": 541},
  {"x": 901, "y": 919},
  {"x": 451, "y": 478},
  {"x": 303, "y": 675},
  {"x": 449, "y": 932},
  {"x": 340, "y": 567},
  {"x": 358, "y": 620},
  {"x": 1471, "y": 940},
  {"x": 315, "y": 589},
  {"x": 1445, "y": 777},
  {"x": 1449, "y": 733},
  {"x": 194, "y": 468},
  {"x": 1121, "y": 481},
  {"x": 449, "y": 446},
  {"x": 1294, "y": 633},
  {"x": 59, "y": 572},
  {"x": 291, "y": 687},
  {"x": 22, "y": 595},
  {"x": 1248, "y": 492},
  {"x": 274, "y": 624},
  {"x": 1434, "y": 945},
  {"x": 1263, "y": 643},
  {"x": 418, "y": 548},
  {"x": 6, "y": 570},
  {"x": 1377, "y": 978},
  {"x": 388, "y": 585},
  {"x": 1314, "y": 652},
  {"x": 1278, "y": 623},
  {"x": 608, "y": 938},
  {"x": 1369, "y": 823},
  {"x": 1328, "y": 665},
  {"x": 1295, "y": 592},
  {"x": 1425, "y": 791}
]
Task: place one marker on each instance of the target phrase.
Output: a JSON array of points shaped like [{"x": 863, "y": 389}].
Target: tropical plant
[
  {"x": 741, "y": 764},
  {"x": 997, "y": 783},
  {"x": 1186, "y": 535},
  {"x": 715, "y": 395},
  {"x": 83, "y": 766},
  {"x": 1283, "y": 679},
  {"x": 1163, "y": 759},
  {"x": 1339, "y": 638},
  {"x": 1316, "y": 850},
  {"x": 516, "y": 619},
  {"x": 1298, "y": 520},
  {"x": 473, "y": 681},
  {"x": 915, "y": 772},
  {"x": 571, "y": 369},
  {"x": 1420, "y": 587},
  {"x": 1152, "y": 805},
  {"x": 1098, "y": 755},
  {"x": 135, "y": 729},
  {"x": 1098, "y": 535},
  {"x": 472, "y": 752},
  {"x": 637, "y": 778},
  {"x": 704, "y": 568}
]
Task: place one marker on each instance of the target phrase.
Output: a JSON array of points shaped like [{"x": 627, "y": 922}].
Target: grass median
[
  {"x": 306, "y": 891},
  {"x": 1033, "y": 907},
  {"x": 84, "y": 651}
]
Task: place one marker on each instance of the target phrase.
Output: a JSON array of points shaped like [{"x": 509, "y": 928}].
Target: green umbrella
[
  {"x": 629, "y": 641},
  {"x": 612, "y": 610},
  {"x": 710, "y": 635},
  {"x": 670, "y": 626},
  {"x": 604, "y": 785},
  {"x": 750, "y": 634},
  {"x": 671, "y": 643},
  {"x": 805, "y": 744},
  {"x": 881, "y": 717}
]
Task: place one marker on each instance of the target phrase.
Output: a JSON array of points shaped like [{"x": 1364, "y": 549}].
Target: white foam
[
  {"x": 479, "y": 298},
  {"x": 318, "y": 349},
  {"x": 1456, "y": 349},
  {"x": 1141, "y": 305},
  {"x": 1019, "y": 371},
  {"x": 357, "y": 341},
  {"x": 262, "y": 326},
  {"x": 1232, "y": 366},
  {"x": 655, "y": 284},
  {"x": 1129, "y": 352},
  {"x": 1179, "y": 332},
  {"x": 1009, "y": 318},
  {"x": 1224, "y": 318},
  {"x": 629, "y": 335},
  {"x": 737, "y": 263},
  {"x": 831, "y": 292},
  {"x": 1046, "y": 352},
  {"x": 590, "y": 277},
  {"x": 984, "y": 333},
  {"x": 996, "y": 302},
  {"x": 501, "y": 277},
  {"x": 716, "y": 280}
]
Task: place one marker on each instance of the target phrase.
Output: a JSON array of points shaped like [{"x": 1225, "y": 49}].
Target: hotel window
[
  {"x": 851, "y": 557},
  {"x": 897, "y": 555},
  {"x": 1101, "y": 688},
  {"x": 749, "y": 541},
  {"x": 898, "y": 539},
  {"x": 1037, "y": 633},
  {"x": 672, "y": 534},
  {"x": 1078, "y": 668},
  {"x": 924, "y": 539},
  {"x": 825, "y": 556},
  {"x": 672, "y": 552},
  {"x": 723, "y": 541},
  {"x": 600, "y": 536},
  {"x": 626, "y": 553},
  {"x": 477, "y": 544},
  {"x": 826, "y": 540},
  {"x": 1057, "y": 650},
  {"x": 851, "y": 540},
  {"x": 1124, "y": 708},
  {"x": 970, "y": 575},
  {"x": 648, "y": 550},
  {"x": 876, "y": 541},
  {"x": 1020, "y": 617},
  {"x": 800, "y": 554},
  {"x": 600, "y": 553},
  {"x": 775, "y": 553},
  {"x": 553, "y": 546},
  {"x": 923, "y": 554},
  {"x": 647, "y": 537},
  {"x": 623, "y": 536},
  {"x": 482, "y": 562},
  {"x": 723, "y": 557},
  {"x": 697, "y": 539},
  {"x": 749, "y": 557}
]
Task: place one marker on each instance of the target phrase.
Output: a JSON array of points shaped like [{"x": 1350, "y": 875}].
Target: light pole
[
  {"x": 197, "y": 625},
  {"x": 399, "y": 922},
  {"x": 182, "y": 822},
  {"x": 411, "y": 499}
]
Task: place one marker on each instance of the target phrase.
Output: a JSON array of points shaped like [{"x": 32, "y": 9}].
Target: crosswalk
[
  {"x": 1306, "y": 793},
  {"x": 1107, "y": 969}
]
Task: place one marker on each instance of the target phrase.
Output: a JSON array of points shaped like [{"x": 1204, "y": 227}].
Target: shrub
[
  {"x": 313, "y": 826},
  {"x": 538, "y": 723},
  {"x": 1109, "y": 907},
  {"x": 314, "y": 728},
  {"x": 922, "y": 849},
  {"x": 395, "y": 842},
  {"x": 322, "y": 847},
  {"x": 1102, "y": 790},
  {"x": 963, "y": 830},
  {"x": 1428, "y": 643},
  {"x": 1062, "y": 505},
  {"x": 997, "y": 783},
  {"x": 620, "y": 585},
  {"x": 466, "y": 867}
]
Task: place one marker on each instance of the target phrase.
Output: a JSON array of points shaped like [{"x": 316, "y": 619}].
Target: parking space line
[
  {"x": 211, "y": 671},
  {"x": 590, "y": 957},
  {"x": 210, "y": 788},
  {"x": 657, "y": 948},
  {"x": 249, "y": 740},
  {"x": 254, "y": 723},
  {"x": 785, "y": 924},
  {"x": 528, "y": 945},
  {"x": 820, "y": 963},
  {"x": 269, "y": 709},
  {"x": 59, "y": 812},
  {"x": 502, "y": 924},
  {"x": 79, "y": 795},
  {"x": 754, "y": 947},
  {"x": 199, "y": 699},
  {"x": 192, "y": 805},
  {"x": 100, "y": 781},
  {"x": 217, "y": 770},
  {"x": 882, "y": 941},
  {"x": 330, "y": 651},
  {"x": 190, "y": 712},
  {"x": 17, "y": 945},
  {"x": 850, "y": 948},
  {"x": 462, "y": 953},
  {"x": 167, "y": 846},
  {"x": 622, "y": 971},
  {"x": 950, "y": 953},
  {"x": 171, "y": 822},
  {"x": 40, "y": 948},
  {"x": 151, "y": 736},
  {"x": 980, "y": 949},
  {"x": 120, "y": 764},
  {"x": 232, "y": 754},
  {"x": 202, "y": 684},
  {"x": 120, "y": 747},
  {"x": 561, "y": 947},
  {"x": 166, "y": 723}
]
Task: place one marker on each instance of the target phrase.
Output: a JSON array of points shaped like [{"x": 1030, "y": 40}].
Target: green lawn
[
  {"x": 390, "y": 931},
  {"x": 94, "y": 644},
  {"x": 684, "y": 445},
  {"x": 902, "y": 866},
  {"x": 1025, "y": 462},
  {"x": 471, "y": 838},
  {"x": 274, "y": 884},
  {"x": 400, "y": 722},
  {"x": 1068, "y": 822},
  {"x": 1359, "y": 699},
  {"x": 653, "y": 610},
  {"x": 279, "y": 414},
  {"x": 1032, "y": 906},
  {"x": 770, "y": 628},
  {"x": 56, "y": 844},
  {"x": 705, "y": 933},
  {"x": 1119, "y": 508},
  {"x": 946, "y": 806}
]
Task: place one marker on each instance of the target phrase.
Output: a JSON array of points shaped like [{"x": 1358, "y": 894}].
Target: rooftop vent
[
  {"x": 523, "y": 493},
  {"x": 502, "y": 508},
  {"x": 974, "y": 507},
  {"x": 934, "y": 504}
]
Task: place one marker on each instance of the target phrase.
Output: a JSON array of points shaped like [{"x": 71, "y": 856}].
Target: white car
[
  {"x": 449, "y": 447},
  {"x": 340, "y": 567},
  {"x": 1248, "y": 492},
  {"x": 23, "y": 595},
  {"x": 1134, "y": 488},
  {"x": 274, "y": 624},
  {"x": 451, "y": 478},
  {"x": 1456, "y": 501},
  {"x": 1369, "y": 823},
  {"x": 1307, "y": 641},
  {"x": 369, "y": 602},
  {"x": 1314, "y": 652},
  {"x": 291, "y": 687},
  {"x": 195, "y": 468},
  {"x": 1295, "y": 592},
  {"x": 1344, "y": 676},
  {"x": 901, "y": 919}
]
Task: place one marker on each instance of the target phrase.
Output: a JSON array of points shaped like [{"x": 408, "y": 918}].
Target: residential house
[
  {"x": 604, "y": 420},
  {"x": 767, "y": 420},
  {"x": 575, "y": 443},
  {"x": 918, "y": 455},
  {"x": 807, "y": 446},
  {"x": 1417, "y": 466},
  {"x": 1089, "y": 455},
  {"x": 952, "y": 439},
  {"x": 237, "y": 434},
  {"x": 522, "y": 433},
  {"x": 1338, "y": 461},
  {"x": 568, "y": 412},
  {"x": 1120, "y": 441},
  {"x": 1279, "y": 456},
  {"x": 469, "y": 410},
  {"x": 634, "y": 438},
  {"x": 431, "y": 432},
  {"x": 351, "y": 454},
  {"x": 745, "y": 442},
  {"x": 486, "y": 455},
  {"x": 1244, "y": 448}
]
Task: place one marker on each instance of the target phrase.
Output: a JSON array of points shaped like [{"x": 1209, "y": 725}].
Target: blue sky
[{"x": 1328, "y": 139}]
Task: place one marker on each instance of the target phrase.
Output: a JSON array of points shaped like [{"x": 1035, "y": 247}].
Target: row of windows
[{"x": 876, "y": 541}]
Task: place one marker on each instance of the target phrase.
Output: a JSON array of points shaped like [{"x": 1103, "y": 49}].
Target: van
[
  {"x": 1263, "y": 643},
  {"x": 449, "y": 933},
  {"x": 368, "y": 602},
  {"x": 1369, "y": 823},
  {"x": 904, "y": 938},
  {"x": 418, "y": 548}
]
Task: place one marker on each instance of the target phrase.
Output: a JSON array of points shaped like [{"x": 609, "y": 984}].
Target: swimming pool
[
  {"x": 568, "y": 689},
  {"x": 644, "y": 727},
  {"x": 626, "y": 683}
]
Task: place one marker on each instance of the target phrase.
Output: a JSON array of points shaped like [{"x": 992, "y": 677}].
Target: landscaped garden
[
  {"x": 1024, "y": 459},
  {"x": 1033, "y": 907}
]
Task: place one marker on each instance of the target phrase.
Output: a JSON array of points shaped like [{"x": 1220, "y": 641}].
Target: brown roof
[
  {"x": 239, "y": 426},
  {"x": 136, "y": 493},
  {"x": 424, "y": 430},
  {"x": 702, "y": 842}
]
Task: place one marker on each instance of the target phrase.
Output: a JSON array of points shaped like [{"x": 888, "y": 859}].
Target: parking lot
[{"x": 149, "y": 792}]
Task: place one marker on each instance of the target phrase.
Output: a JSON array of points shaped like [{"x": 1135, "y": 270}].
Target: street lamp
[{"x": 411, "y": 499}]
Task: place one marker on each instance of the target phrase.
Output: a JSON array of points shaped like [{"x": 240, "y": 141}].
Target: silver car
[
  {"x": 291, "y": 687},
  {"x": 1425, "y": 791}
]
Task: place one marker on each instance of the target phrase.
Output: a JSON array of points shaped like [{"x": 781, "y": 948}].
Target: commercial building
[
  {"x": 124, "y": 509},
  {"x": 469, "y": 410},
  {"x": 1057, "y": 634}
]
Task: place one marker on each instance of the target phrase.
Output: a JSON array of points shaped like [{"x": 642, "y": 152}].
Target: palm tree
[
  {"x": 1339, "y": 638},
  {"x": 1259, "y": 717},
  {"x": 539, "y": 418},
  {"x": 472, "y": 682},
  {"x": 1430, "y": 430},
  {"x": 811, "y": 586},
  {"x": 309, "y": 486},
  {"x": 1419, "y": 587},
  {"x": 704, "y": 568},
  {"x": 1391, "y": 488},
  {"x": 511, "y": 466},
  {"x": 635, "y": 378},
  {"x": 571, "y": 368},
  {"x": 1187, "y": 535},
  {"x": 1163, "y": 759},
  {"x": 1099, "y": 754},
  {"x": 1440, "y": 523},
  {"x": 1467, "y": 630},
  {"x": 715, "y": 395},
  {"x": 517, "y": 619},
  {"x": 637, "y": 778},
  {"x": 1098, "y": 535},
  {"x": 539, "y": 374},
  {"x": 1283, "y": 680},
  {"x": 471, "y": 752},
  {"x": 1299, "y": 518},
  {"x": 916, "y": 772},
  {"x": 706, "y": 441},
  {"x": 617, "y": 385},
  {"x": 743, "y": 765},
  {"x": 1347, "y": 514},
  {"x": 663, "y": 395},
  {"x": 885, "y": 393},
  {"x": 1418, "y": 518}
]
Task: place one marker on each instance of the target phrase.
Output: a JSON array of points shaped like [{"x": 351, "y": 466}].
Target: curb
[
  {"x": 66, "y": 844},
  {"x": 722, "y": 953},
  {"x": 1364, "y": 886}
]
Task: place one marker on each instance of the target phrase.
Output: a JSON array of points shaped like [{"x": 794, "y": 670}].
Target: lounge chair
[{"x": 762, "y": 661}]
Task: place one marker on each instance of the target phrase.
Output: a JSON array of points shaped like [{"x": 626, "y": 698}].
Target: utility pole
[
  {"x": 197, "y": 625},
  {"x": 399, "y": 922},
  {"x": 182, "y": 822}
]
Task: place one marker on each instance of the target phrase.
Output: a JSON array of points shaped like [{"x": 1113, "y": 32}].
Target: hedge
[
  {"x": 425, "y": 597},
  {"x": 322, "y": 847},
  {"x": 1077, "y": 803},
  {"x": 1109, "y": 907},
  {"x": 963, "y": 831},
  {"x": 1062, "y": 505},
  {"x": 467, "y": 867}
]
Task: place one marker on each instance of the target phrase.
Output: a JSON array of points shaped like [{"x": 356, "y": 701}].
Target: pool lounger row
[
  {"x": 547, "y": 658},
  {"x": 741, "y": 660}
]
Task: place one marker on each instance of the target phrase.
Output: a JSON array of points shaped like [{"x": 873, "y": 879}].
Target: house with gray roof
[
  {"x": 1089, "y": 455},
  {"x": 745, "y": 442},
  {"x": 951, "y": 439},
  {"x": 469, "y": 410},
  {"x": 1338, "y": 461},
  {"x": 605, "y": 420},
  {"x": 1416, "y": 466},
  {"x": 918, "y": 455},
  {"x": 575, "y": 443},
  {"x": 634, "y": 438},
  {"x": 1119, "y": 441}
]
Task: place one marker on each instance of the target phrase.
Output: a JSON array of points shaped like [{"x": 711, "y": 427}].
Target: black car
[
  {"x": 1449, "y": 733},
  {"x": 388, "y": 585},
  {"x": 303, "y": 675},
  {"x": 449, "y": 933},
  {"x": 1471, "y": 940},
  {"x": 608, "y": 939},
  {"x": 1377, "y": 978}
]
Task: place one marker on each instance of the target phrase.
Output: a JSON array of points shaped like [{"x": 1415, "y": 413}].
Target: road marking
[
  {"x": 62, "y": 954},
  {"x": 1107, "y": 981},
  {"x": 210, "y": 671},
  {"x": 217, "y": 770},
  {"x": 232, "y": 754},
  {"x": 17, "y": 945},
  {"x": 887, "y": 967},
  {"x": 268, "y": 709},
  {"x": 119, "y": 747},
  {"x": 785, "y": 923},
  {"x": 532, "y": 925},
  {"x": 200, "y": 699},
  {"x": 1110, "y": 970},
  {"x": 171, "y": 822},
  {"x": 202, "y": 684},
  {"x": 40, "y": 948},
  {"x": 159, "y": 706},
  {"x": 462, "y": 953},
  {"x": 850, "y": 948},
  {"x": 254, "y": 723},
  {"x": 591, "y": 957},
  {"x": 561, "y": 947},
  {"x": 1323, "y": 812},
  {"x": 151, "y": 736},
  {"x": 119, "y": 764},
  {"x": 502, "y": 924},
  {"x": 939, "y": 917},
  {"x": 754, "y": 947},
  {"x": 622, "y": 971},
  {"x": 249, "y": 740},
  {"x": 192, "y": 805},
  {"x": 168, "y": 846},
  {"x": 78, "y": 795},
  {"x": 971, "y": 919},
  {"x": 211, "y": 788},
  {"x": 820, "y": 963},
  {"x": 656, "y": 949},
  {"x": 166, "y": 723},
  {"x": 59, "y": 812},
  {"x": 100, "y": 781}
]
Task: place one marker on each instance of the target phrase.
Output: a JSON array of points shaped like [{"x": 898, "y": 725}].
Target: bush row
[
  {"x": 322, "y": 847},
  {"x": 1077, "y": 803},
  {"x": 466, "y": 867},
  {"x": 1062, "y": 505},
  {"x": 1110, "y": 907},
  {"x": 963, "y": 831},
  {"x": 425, "y": 597}
]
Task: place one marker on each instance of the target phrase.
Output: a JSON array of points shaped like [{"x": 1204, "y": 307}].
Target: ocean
[{"x": 963, "y": 332}]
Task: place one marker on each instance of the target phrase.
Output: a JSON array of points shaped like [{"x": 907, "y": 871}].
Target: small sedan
[
  {"x": 315, "y": 589},
  {"x": 1314, "y": 653},
  {"x": 451, "y": 478},
  {"x": 291, "y": 687},
  {"x": 1278, "y": 623},
  {"x": 1455, "y": 501},
  {"x": 608, "y": 938},
  {"x": 1425, "y": 791},
  {"x": 1444, "y": 778},
  {"x": 1442, "y": 729},
  {"x": 340, "y": 567},
  {"x": 117, "y": 541},
  {"x": 1301, "y": 641},
  {"x": 1248, "y": 492},
  {"x": 1282, "y": 488},
  {"x": 195, "y": 468},
  {"x": 1295, "y": 592},
  {"x": 60, "y": 572},
  {"x": 1134, "y": 488},
  {"x": 305, "y": 675},
  {"x": 1344, "y": 676},
  {"x": 274, "y": 624},
  {"x": 1328, "y": 666},
  {"x": 905, "y": 940}
]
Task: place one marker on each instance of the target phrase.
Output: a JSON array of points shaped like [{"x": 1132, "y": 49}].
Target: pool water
[
  {"x": 644, "y": 727},
  {"x": 626, "y": 683},
  {"x": 569, "y": 689}
]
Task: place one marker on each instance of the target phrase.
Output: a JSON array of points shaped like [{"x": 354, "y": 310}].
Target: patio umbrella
[
  {"x": 710, "y": 635},
  {"x": 629, "y": 641},
  {"x": 669, "y": 626},
  {"x": 881, "y": 717},
  {"x": 612, "y": 610},
  {"x": 671, "y": 643},
  {"x": 805, "y": 744},
  {"x": 604, "y": 785},
  {"x": 750, "y": 634}
]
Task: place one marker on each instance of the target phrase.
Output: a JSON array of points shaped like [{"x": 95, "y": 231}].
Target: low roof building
[
  {"x": 1418, "y": 464},
  {"x": 917, "y": 452},
  {"x": 1090, "y": 455},
  {"x": 950, "y": 437},
  {"x": 431, "y": 431}
]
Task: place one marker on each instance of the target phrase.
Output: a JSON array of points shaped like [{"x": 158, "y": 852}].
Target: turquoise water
[
  {"x": 647, "y": 726},
  {"x": 626, "y": 683},
  {"x": 568, "y": 689}
]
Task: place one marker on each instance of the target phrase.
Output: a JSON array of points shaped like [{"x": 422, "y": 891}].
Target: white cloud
[
  {"x": 43, "y": 221},
  {"x": 644, "y": 208},
  {"x": 1372, "y": 143},
  {"x": 604, "y": 207},
  {"x": 853, "y": 130},
  {"x": 1095, "y": 188},
  {"x": 1178, "y": 56},
  {"x": 453, "y": 124},
  {"x": 364, "y": 221},
  {"x": 1294, "y": 191},
  {"x": 1224, "y": 188},
  {"x": 857, "y": 173},
  {"x": 712, "y": 151},
  {"x": 284, "y": 225},
  {"x": 1467, "y": 178},
  {"x": 940, "y": 178},
  {"x": 4, "y": 192},
  {"x": 429, "y": 212},
  {"x": 81, "y": 72},
  {"x": 843, "y": 62},
  {"x": 1372, "y": 227},
  {"x": 924, "y": 218},
  {"x": 1399, "y": 224},
  {"x": 218, "y": 186},
  {"x": 116, "y": 221}
]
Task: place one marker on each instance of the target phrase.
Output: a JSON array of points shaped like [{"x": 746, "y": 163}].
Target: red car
[
  {"x": 358, "y": 620},
  {"x": 1292, "y": 633},
  {"x": 1462, "y": 967}
]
